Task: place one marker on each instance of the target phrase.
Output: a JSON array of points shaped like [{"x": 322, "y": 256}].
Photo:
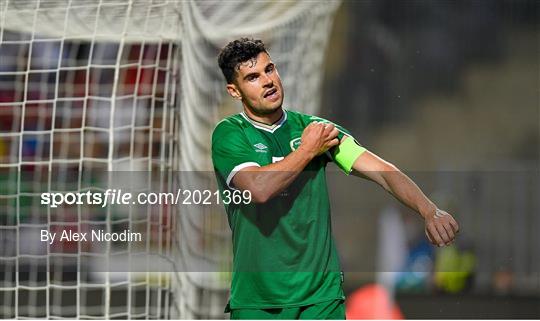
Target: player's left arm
[{"x": 440, "y": 227}]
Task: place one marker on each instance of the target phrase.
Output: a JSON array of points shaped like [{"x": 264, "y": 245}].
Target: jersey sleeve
[
  {"x": 342, "y": 131},
  {"x": 231, "y": 151},
  {"x": 347, "y": 152}
]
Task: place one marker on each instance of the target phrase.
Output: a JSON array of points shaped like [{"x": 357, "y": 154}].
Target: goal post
[{"x": 124, "y": 94}]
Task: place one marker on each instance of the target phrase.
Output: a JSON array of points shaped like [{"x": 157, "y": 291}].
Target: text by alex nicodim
[{"x": 92, "y": 236}]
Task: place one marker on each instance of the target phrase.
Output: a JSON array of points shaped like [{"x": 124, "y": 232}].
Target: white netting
[{"x": 90, "y": 89}]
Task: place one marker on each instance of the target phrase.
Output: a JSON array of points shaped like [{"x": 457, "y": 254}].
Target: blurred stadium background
[{"x": 446, "y": 90}]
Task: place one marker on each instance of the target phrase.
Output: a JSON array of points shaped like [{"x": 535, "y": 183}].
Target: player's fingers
[
  {"x": 333, "y": 134},
  {"x": 310, "y": 127},
  {"x": 328, "y": 127},
  {"x": 455, "y": 225},
  {"x": 435, "y": 237},
  {"x": 429, "y": 236},
  {"x": 442, "y": 232},
  {"x": 332, "y": 143},
  {"x": 450, "y": 233},
  {"x": 316, "y": 127}
]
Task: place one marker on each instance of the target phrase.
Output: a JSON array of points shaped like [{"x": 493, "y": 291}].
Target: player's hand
[
  {"x": 318, "y": 137},
  {"x": 441, "y": 228}
]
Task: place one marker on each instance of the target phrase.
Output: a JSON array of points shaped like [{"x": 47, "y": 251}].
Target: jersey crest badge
[{"x": 295, "y": 143}]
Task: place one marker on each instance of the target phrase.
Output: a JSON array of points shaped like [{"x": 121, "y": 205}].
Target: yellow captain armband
[{"x": 346, "y": 153}]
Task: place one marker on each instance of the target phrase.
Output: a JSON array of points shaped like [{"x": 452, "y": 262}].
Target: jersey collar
[{"x": 262, "y": 126}]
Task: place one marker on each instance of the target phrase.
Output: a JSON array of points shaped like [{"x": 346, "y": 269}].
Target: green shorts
[{"x": 328, "y": 310}]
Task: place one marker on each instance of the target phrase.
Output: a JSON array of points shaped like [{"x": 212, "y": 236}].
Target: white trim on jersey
[
  {"x": 238, "y": 168},
  {"x": 269, "y": 128}
]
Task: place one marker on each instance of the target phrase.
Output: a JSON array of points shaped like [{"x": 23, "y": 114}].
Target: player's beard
[{"x": 266, "y": 110}]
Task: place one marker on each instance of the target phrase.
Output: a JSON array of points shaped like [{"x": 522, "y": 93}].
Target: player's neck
[{"x": 268, "y": 119}]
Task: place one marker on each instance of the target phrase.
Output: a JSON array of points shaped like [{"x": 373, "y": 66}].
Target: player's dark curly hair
[{"x": 236, "y": 52}]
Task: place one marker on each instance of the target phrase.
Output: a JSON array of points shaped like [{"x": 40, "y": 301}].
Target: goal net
[{"x": 104, "y": 95}]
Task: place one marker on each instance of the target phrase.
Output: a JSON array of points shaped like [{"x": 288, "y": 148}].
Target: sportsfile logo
[{"x": 260, "y": 148}]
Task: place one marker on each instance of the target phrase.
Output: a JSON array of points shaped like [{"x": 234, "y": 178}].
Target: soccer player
[{"x": 285, "y": 262}]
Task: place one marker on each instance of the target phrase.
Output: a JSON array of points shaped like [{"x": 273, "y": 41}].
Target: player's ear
[{"x": 233, "y": 91}]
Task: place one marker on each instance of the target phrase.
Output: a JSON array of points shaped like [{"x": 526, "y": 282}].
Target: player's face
[{"x": 258, "y": 85}]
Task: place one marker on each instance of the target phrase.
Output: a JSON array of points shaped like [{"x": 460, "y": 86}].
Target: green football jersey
[{"x": 284, "y": 253}]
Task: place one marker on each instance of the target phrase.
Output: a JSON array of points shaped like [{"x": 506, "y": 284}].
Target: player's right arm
[
  {"x": 265, "y": 182},
  {"x": 236, "y": 163}
]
